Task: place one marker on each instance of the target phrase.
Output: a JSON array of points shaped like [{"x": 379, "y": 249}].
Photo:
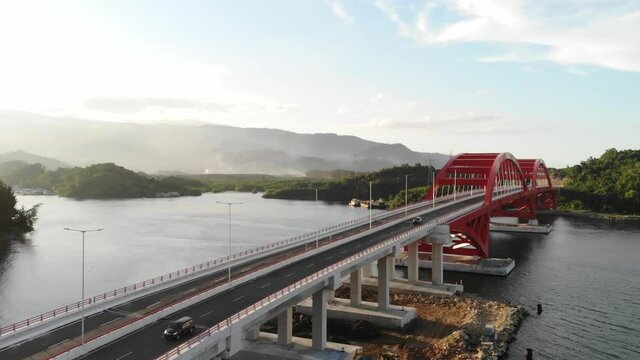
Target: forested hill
[
  {"x": 100, "y": 181},
  {"x": 609, "y": 184},
  {"x": 386, "y": 184}
]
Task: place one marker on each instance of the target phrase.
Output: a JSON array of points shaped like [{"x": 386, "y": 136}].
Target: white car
[{"x": 416, "y": 220}]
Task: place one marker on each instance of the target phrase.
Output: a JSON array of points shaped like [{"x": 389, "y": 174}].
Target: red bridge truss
[{"x": 512, "y": 188}]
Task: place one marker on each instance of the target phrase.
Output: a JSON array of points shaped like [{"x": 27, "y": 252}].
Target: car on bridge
[
  {"x": 416, "y": 220},
  {"x": 180, "y": 327}
]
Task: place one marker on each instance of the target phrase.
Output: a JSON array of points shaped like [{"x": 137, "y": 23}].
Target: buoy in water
[
  {"x": 529, "y": 354},
  {"x": 539, "y": 309}
]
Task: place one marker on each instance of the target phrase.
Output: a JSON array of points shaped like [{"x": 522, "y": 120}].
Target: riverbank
[
  {"x": 446, "y": 328},
  {"x": 591, "y": 214}
]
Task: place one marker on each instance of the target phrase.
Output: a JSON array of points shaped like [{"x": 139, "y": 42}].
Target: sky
[{"x": 558, "y": 80}]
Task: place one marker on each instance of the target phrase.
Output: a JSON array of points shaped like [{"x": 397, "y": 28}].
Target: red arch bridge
[{"x": 512, "y": 188}]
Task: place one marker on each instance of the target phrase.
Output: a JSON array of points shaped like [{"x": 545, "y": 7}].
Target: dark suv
[{"x": 180, "y": 327}]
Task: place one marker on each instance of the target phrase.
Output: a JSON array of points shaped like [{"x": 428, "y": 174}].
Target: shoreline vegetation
[
  {"x": 13, "y": 219},
  {"x": 606, "y": 187},
  {"x": 593, "y": 215}
]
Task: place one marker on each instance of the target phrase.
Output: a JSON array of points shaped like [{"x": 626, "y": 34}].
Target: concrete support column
[
  {"x": 253, "y": 334},
  {"x": 367, "y": 270},
  {"x": 412, "y": 270},
  {"x": 437, "y": 275},
  {"x": 356, "y": 287},
  {"x": 533, "y": 222},
  {"x": 384, "y": 275},
  {"x": 285, "y": 326},
  {"x": 319, "y": 320}
]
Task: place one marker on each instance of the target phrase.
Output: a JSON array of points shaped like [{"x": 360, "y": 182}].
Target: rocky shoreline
[{"x": 451, "y": 328}]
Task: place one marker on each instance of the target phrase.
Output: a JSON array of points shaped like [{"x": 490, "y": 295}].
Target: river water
[{"x": 586, "y": 273}]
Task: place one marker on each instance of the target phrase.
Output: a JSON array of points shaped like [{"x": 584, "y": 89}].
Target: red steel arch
[
  {"x": 506, "y": 189},
  {"x": 539, "y": 180}
]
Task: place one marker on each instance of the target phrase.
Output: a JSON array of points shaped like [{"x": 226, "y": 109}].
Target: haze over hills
[
  {"x": 25, "y": 157},
  {"x": 198, "y": 148}
]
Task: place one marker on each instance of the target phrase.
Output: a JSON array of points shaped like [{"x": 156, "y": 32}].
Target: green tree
[{"x": 12, "y": 219}]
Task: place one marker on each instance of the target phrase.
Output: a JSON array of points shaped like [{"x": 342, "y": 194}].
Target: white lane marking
[
  {"x": 238, "y": 298},
  {"x": 190, "y": 290},
  {"x": 205, "y": 314},
  {"x": 343, "y": 251},
  {"x": 265, "y": 285},
  {"x": 125, "y": 355},
  {"x": 155, "y": 303},
  {"x": 110, "y": 321},
  {"x": 329, "y": 257},
  {"x": 310, "y": 265},
  {"x": 288, "y": 275},
  {"x": 58, "y": 343}
]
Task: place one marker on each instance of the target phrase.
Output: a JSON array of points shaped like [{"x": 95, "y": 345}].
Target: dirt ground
[{"x": 446, "y": 328}]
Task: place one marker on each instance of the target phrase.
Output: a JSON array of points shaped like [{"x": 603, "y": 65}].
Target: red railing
[
  {"x": 188, "y": 270},
  {"x": 280, "y": 293}
]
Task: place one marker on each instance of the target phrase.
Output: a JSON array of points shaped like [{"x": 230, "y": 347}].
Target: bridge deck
[{"x": 149, "y": 343}]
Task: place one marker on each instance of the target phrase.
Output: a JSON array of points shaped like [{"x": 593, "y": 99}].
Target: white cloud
[
  {"x": 378, "y": 97},
  {"x": 483, "y": 92},
  {"x": 339, "y": 11},
  {"x": 601, "y": 33}
]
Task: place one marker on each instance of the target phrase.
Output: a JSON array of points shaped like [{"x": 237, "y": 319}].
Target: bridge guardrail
[
  {"x": 191, "y": 269},
  {"x": 245, "y": 312},
  {"x": 132, "y": 320}
]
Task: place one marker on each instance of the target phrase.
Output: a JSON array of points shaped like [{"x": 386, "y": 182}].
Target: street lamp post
[
  {"x": 406, "y": 194},
  {"x": 316, "y": 189},
  {"x": 229, "y": 235},
  {"x": 433, "y": 189},
  {"x": 370, "y": 202},
  {"x": 83, "y": 231}
]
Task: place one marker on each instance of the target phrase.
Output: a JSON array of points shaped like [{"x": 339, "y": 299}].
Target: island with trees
[{"x": 99, "y": 181}]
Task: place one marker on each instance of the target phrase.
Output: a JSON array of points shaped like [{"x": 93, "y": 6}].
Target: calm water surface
[
  {"x": 142, "y": 238},
  {"x": 586, "y": 273}
]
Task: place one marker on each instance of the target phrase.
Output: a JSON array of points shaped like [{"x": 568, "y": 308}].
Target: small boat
[{"x": 354, "y": 203}]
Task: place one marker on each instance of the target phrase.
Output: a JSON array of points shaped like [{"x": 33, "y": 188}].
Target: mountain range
[{"x": 198, "y": 148}]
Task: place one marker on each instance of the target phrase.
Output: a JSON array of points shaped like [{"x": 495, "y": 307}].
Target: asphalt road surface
[{"x": 148, "y": 342}]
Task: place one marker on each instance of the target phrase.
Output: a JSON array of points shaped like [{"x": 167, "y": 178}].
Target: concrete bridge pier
[
  {"x": 367, "y": 269},
  {"x": 438, "y": 239},
  {"x": 319, "y": 319},
  {"x": 253, "y": 334},
  {"x": 413, "y": 263},
  {"x": 356, "y": 287},
  {"x": 285, "y": 326},
  {"x": 385, "y": 264}
]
